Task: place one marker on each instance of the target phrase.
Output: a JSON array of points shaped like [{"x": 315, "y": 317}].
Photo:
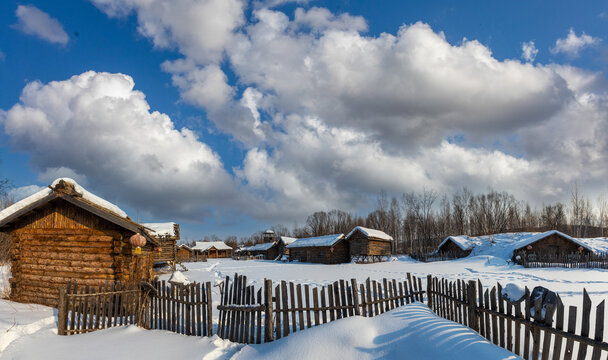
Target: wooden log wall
[
  {"x": 361, "y": 245},
  {"x": 519, "y": 327},
  {"x": 289, "y": 307}
]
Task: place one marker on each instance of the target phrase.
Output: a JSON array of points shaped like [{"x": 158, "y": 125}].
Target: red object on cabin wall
[
  {"x": 137, "y": 240},
  {"x": 529, "y": 247}
]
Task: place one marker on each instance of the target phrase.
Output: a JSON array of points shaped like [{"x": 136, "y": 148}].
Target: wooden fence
[
  {"x": 520, "y": 327},
  {"x": 438, "y": 256},
  {"x": 253, "y": 316},
  {"x": 184, "y": 309},
  {"x": 574, "y": 261}
]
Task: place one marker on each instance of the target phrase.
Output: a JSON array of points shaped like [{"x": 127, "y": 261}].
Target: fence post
[
  {"x": 62, "y": 312},
  {"x": 209, "y": 309},
  {"x": 355, "y": 294},
  {"x": 429, "y": 289},
  {"x": 268, "y": 321},
  {"x": 472, "y": 297}
]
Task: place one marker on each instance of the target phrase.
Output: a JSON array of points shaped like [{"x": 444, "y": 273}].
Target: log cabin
[
  {"x": 328, "y": 249},
  {"x": 282, "y": 245},
  {"x": 456, "y": 247},
  {"x": 268, "y": 251},
  {"x": 213, "y": 249},
  {"x": 551, "y": 243},
  {"x": 167, "y": 235},
  {"x": 64, "y": 233},
  {"x": 184, "y": 253},
  {"x": 368, "y": 244}
]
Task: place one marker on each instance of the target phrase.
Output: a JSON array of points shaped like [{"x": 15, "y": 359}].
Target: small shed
[
  {"x": 213, "y": 249},
  {"x": 65, "y": 233},
  {"x": 551, "y": 244},
  {"x": 184, "y": 253},
  {"x": 368, "y": 244},
  {"x": 167, "y": 235},
  {"x": 328, "y": 249},
  {"x": 282, "y": 245},
  {"x": 269, "y": 251},
  {"x": 269, "y": 236},
  {"x": 457, "y": 247}
]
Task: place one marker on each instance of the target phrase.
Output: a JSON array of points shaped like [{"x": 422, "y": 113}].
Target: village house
[
  {"x": 266, "y": 251},
  {"x": 213, "y": 249},
  {"x": 64, "y": 233},
  {"x": 185, "y": 253},
  {"x": 367, "y": 245},
  {"x": 550, "y": 244},
  {"x": 282, "y": 245},
  {"x": 328, "y": 249},
  {"x": 457, "y": 246},
  {"x": 167, "y": 235}
]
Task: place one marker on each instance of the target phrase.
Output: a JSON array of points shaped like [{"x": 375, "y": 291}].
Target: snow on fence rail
[
  {"x": 184, "y": 309},
  {"x": 519, "y": 326},
  {"x": 246, "y": 314}
]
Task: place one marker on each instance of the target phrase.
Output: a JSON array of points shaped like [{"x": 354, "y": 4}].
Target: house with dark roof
[{"x": 328, "y": 249}]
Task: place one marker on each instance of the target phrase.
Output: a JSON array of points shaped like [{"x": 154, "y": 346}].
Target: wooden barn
[
  {"x": 184, "y": 253},
  {"x": 167, "y": 235},
  {"x": 268, "y": 251},
  {"x": 269, "y": 236},
  {"x": 65, "y": 233},
  {"x": 213, "y": 249},
  {"x": 282, "y": 245},
  {"x": 329, "y": 249},
  {"x": 456, "y": 247},
  {"x": 550, "y": 244},
  {"x": 369, "y": 245}
]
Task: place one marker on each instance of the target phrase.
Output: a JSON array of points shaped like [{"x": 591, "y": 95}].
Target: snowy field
[{"x": 26, "y": 329}]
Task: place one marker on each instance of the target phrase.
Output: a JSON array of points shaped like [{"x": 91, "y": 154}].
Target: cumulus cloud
[
  {"x": 33, "y": 21},
  {"x": 97, "y": 124},
  {"x": 573, "y": 44},
  {"x": 529, "y": 51},
  {"x": 22, "y": 192}
]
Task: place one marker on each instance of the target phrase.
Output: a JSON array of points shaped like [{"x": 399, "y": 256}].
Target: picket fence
[
  {"x": 184, "y": 309},
  {"x": 572, "y": 261},
  {"x": 271, "y": 312},
  {"x": 519, "y": 327}
]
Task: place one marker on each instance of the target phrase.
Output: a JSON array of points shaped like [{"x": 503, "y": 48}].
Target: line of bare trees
[{"x": 418, "y": 221}]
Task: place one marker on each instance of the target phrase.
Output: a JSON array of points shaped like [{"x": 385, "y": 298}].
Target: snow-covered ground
[{"x": 26, "y": 328}]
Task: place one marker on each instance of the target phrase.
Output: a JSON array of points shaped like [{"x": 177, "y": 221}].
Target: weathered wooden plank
[
  {"x": 495, "y": 334},
  {"x": 292, "y": 299},
  {"x": 559, "y": 325},
  {"x": 355, "y": 296},
  {"x": 527, "y": 328},
  {"x": 300, "y": 305},
  {"x": 315, "y": 302},
  {"x": 599, "y": 329},
  {"x": 330, "y": 295},
  {"x": 323, "y": 313},
  {"x": 307, "y": 296},
  {"x": 582, "y": 349},
  {"x": 571, "y": 329},
  {"x": 285, "y": 307},
  {"x": 368, "y": 286},
  {"x": 268, "y": 316},
  {"x": 277, "y": 299}
]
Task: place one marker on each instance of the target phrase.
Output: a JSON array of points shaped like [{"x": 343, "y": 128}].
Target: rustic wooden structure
[
  {"x": 268, "y": 251},
  {"x": 65, "y": 233},
  {"x": 212, "y": 249},
  {"x": 550, "y": 244},
  {"x": 183, "y": 309},
  {"x": 167, "y": 236},
  {"x": 288, "y": 307},
  {"x": 369, "y": 245},
  {"x": 519, "y": 326},
  {"x": 329, "y": 249},
  {"x": 184, "y": 253},
  {"x": 282, "y": 245},
  {"x": 456, "y": 247},
  {"x": 269, "y": 236},
  {"x": 570, "y": 261}
]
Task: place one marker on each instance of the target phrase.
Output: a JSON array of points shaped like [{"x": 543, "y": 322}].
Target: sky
[{"x": 229, "y": 116}]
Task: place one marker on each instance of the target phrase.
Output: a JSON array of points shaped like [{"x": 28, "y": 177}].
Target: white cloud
[
  {"x": 529, "y": 51},
  {"x": 97, "y": 124},
  {"x": 33, "y": 21},
  {"x": 51, "y": 173},
  {"x": 22, "y": 192},
  {"x": 573, "y": 44}
]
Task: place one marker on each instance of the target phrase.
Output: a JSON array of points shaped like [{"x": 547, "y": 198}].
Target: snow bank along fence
[
  {"x": 436, "y": 256},
  {"x": 254, "y": 316},
  {"x": 527, "y": 326},
  {"x": 184, "y": 309},
  {"x": 585, "y": 261}
]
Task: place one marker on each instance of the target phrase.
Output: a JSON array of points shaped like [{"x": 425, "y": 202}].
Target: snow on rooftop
[
  {"x": 92, "y": 198},
  {"x": 464, "y": 242},
  {"x": 206, "y": 245},
  {"x": 261, "y": 247},
  {"x": 327, "y": 240},
  {"x": 535, "y": 238},
  {"x": 372, "y": 233},
  {"x": 288, "y": 240},
  {"x": 161, "y": 229},
  {"x": 178, "y": 277},
  {"x": 599, "y": 245}
]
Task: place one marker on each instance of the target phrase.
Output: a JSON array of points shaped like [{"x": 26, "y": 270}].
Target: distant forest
[{"x": 419, "y": 221}]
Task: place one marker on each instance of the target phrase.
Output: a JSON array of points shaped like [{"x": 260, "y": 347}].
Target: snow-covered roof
[
  {"x": 179, "y": 278},
  {"x": 288, "y": 240},
  {"x": 371, "y": 233},
  {"x": 184, "y": 246},
  {"x": 261, "y": 247},
  {"x": 79, "y": 190},
  {"x": 537, "y": 237},
  {"x": 161, "y": 229},
  {"x": 599, "y": 245},
  {"x": 206, "y": 245},
  {"x": 319, "y": 241},
  {"x": 462, "y": 241},
  {"x": 269, "y": 231}
]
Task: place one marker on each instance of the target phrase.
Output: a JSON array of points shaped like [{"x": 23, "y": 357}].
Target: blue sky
[{"x": 283, "y": 123}]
